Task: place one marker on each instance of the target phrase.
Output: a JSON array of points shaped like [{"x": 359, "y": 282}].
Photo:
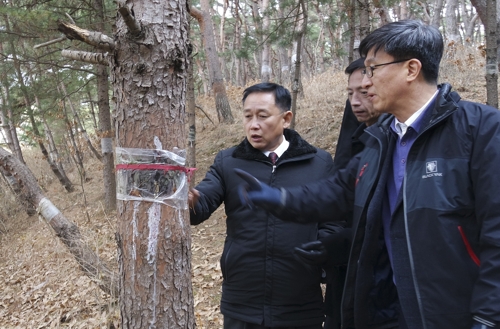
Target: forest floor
[{"x": 41, "y": 285}]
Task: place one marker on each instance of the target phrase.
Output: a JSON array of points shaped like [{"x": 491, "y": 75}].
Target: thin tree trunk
[
  {"x": 296, "y": 77},
  {"x": 74, "y": 149},
  {"x": 436, "y": 17},
  {"x": 92, "y": 111},
  {"x": 61, "y": 176},
  {"x": 364, "y": 19},
  {"x": 64, "y": 229},
  {"x": 491, "y": 55},
  {"x": 53, "y": 153},
  {"x": 8, "y": 127},
  {"x": 351, "y": 14},
  {"x": 451, "y": 26},
  {"x": 79, "y": 123},
  {"x": 191, "y": 114},
  {"x": 105, "y": 128},
  {"x": 218, "y": 87},
  {"x": 265, "y": 71}
]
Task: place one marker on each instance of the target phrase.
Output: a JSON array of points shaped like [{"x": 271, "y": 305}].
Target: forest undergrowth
[{"x": 41, "y": 285}]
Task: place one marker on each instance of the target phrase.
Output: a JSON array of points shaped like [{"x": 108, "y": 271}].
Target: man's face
[
  {"x": 361, "y": 106},
  {"x": 387, "y": 88},
  {"x": 264, "y": 122}
]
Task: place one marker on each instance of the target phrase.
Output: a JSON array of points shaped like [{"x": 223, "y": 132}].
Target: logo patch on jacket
[{"x": 431, "y": 169}]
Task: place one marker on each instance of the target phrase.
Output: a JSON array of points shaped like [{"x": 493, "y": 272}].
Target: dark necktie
[{"x": 273, "y": 156}]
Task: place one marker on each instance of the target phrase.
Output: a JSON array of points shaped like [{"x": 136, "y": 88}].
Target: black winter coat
[
  {"x": 445, "y": 230},
  {"x": 263, "y": 283}
]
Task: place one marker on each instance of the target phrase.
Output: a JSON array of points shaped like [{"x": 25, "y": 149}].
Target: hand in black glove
[
  {"x": 313, "y": 252},
  {"x": 255, "y": 193}
]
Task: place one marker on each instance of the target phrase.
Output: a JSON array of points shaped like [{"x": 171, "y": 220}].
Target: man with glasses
[
  {"x": 424, "y": 194},
  {"x": 264, "y": 284},
  {"x": 332, "y": 250}
]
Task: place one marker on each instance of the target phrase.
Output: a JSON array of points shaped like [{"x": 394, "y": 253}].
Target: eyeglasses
[{"x": 368, "y": 71}]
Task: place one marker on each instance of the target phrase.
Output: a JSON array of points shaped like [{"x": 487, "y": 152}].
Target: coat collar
[
  {"x": 444, "y": 105},
  {"x": 297, "y": 147}
]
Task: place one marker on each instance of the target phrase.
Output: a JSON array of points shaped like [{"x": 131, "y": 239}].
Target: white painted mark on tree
[
  {"x": 152, "y": 323},
  {"x": 106, "y": 145},
  {"x": 47, "y": 209},
  {"x": 135, "y": 231},
  {"x": 266, "y": 69},
  {"x": 154, "y": 214},
  {"x": 157, "y": 143},
  {"x": 181, "y": 218}
]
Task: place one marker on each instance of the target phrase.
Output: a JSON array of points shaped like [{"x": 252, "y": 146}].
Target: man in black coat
[
  {"x": 332, "y": 251},
  {"x": 264, "y": 284}
]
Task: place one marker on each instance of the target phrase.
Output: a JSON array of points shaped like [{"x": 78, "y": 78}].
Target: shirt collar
[
  {"x": 280, "y": 149},
  {"x": 401, "y": 127}
]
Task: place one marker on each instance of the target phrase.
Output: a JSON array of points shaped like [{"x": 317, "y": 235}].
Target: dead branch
[
  {"x": 48, "y": 43},
  {"x": 97, "y": 39},
  {"x": 133, "y": 26},
  {"x": 84, "y": 56},
  {"x": 65, "y": 230},
  {"x": 201, "y": 109}
]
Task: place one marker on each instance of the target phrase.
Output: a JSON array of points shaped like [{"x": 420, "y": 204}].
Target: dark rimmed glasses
[{"x": 368, "y": 71}]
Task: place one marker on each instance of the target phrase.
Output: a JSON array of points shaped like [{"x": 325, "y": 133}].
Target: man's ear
[
  {"x": 287, "y": 119},
  {"x": 414, "y": 68}
]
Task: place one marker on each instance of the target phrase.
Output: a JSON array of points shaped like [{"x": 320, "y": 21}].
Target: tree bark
[
  {"x": 53, "y": 153},
  {"x": 149, "y": 79},
  {"x": 218, "y": 87},
  {"x": 491, "y": 55},
  {"x": 64, "y": 229},
  {"x": 8, "y": 126},
  {"x": 265, "y": 71},
  {"x": 364, "y": 18},
  {"x": 296, "y": 77}
]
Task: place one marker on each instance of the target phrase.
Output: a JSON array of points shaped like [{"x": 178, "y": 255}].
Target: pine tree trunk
[
  {"x": 218, "y": 87},
  {"x": 105, "y": 129},
  {"x": 149, "y": 78},
  {"x": 53, "y": 152},
  {"x": 191, "y": 114},
  {"x": 296, "y": 77},
  {"x": 8, "y": 126},
  {"x": 265, "y": 71},
  {"x": 491, "y": 54}
]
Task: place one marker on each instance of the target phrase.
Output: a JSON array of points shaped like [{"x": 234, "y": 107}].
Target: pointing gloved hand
[
  {"x": 313, "y": 252},
  {"x": 255, "y": 193}
]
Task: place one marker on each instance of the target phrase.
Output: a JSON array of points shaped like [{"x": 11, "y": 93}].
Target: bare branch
[
  {"x": 71, "y": 19},
  {"x": 97, "y": 39},
  {"x": 49, "y": 42},
  {"x": 84, "y": 56},
  {"x": 133, "y": 26}
]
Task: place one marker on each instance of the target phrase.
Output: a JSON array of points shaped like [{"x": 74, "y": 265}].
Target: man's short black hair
[
  {"x": 282, "y": 97},
  {"x": 355, "y": 65},
  {"x": 408, "y": 39}
]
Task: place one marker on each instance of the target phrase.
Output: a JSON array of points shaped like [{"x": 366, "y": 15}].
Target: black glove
[
  {"x": 255, "y": 193},
  {"x": 313, "y": 252}
]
